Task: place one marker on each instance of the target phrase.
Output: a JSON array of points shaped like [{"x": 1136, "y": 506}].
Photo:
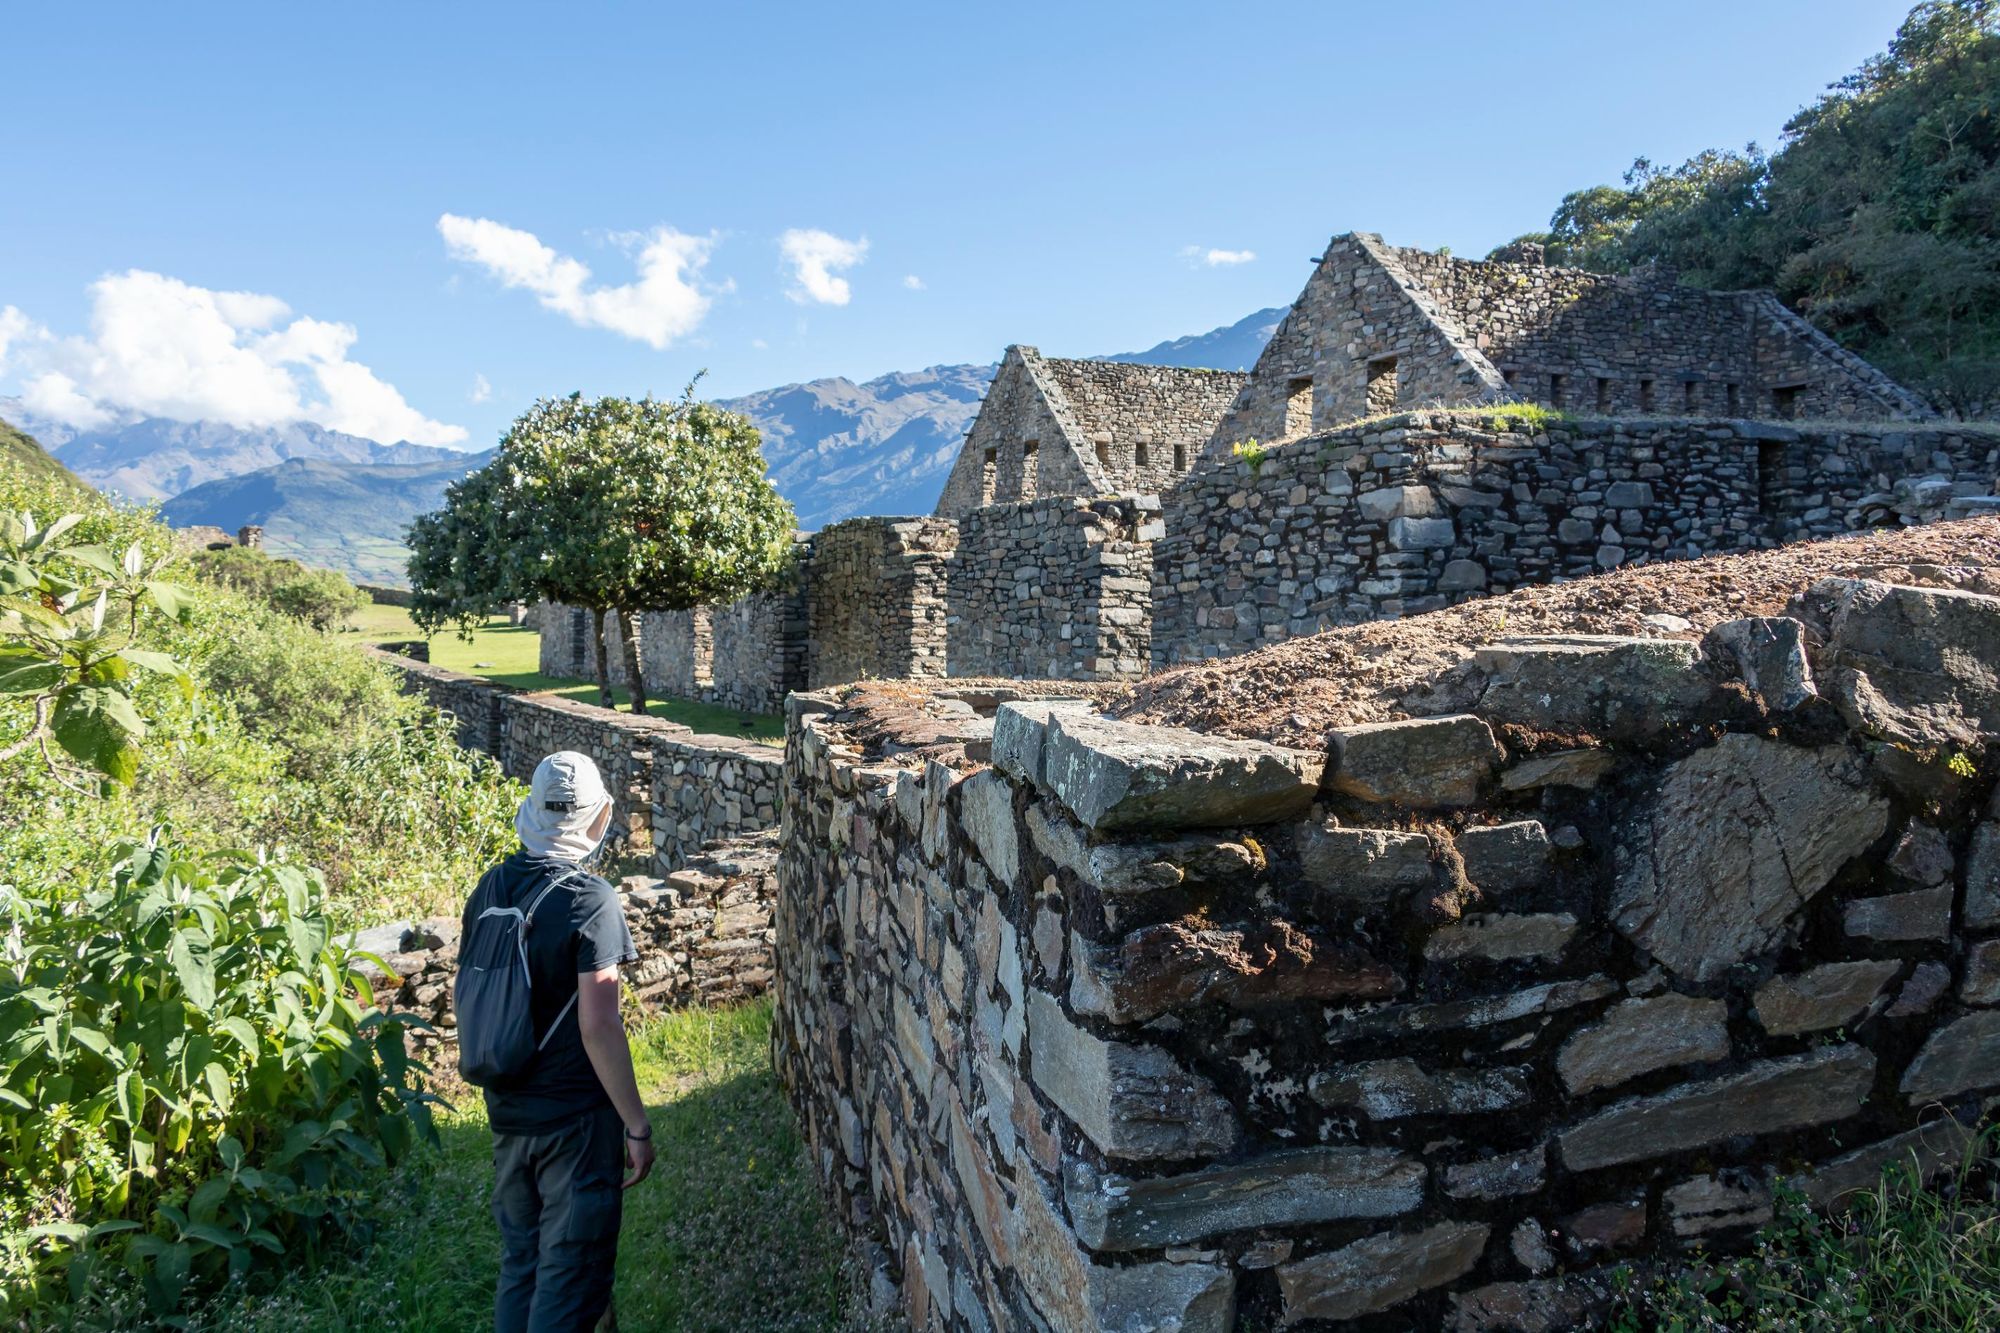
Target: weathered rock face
[
  {"x": 1599, "y": 685},
  {"x": 1179, "y": 963},
  {"x": 1292, "y": 1188},
  {"x": 1116, "y": 776},
  {"x": 1365, "y": 867},
  {"x": 1379, "y": 1272},
  {"x": 1445, "y": 761},
  {"x": 1776, "y": 1095},
  {"x": 1919, "y": 666},
  {"x": 1822, "y": 997},
  {"x": 1707, "y": 1204},
  {"x": 1640, "y": 1036},
  {"x": 1393, "y": 1089},
  {"x": 1737, "y": 839},
  {"x": 1959, "y": 1057},
  {"x": 1132, "y": 1101}
]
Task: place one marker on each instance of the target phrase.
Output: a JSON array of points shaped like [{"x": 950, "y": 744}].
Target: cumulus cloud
[
  {"x": 481, "y": 389},
  {"x": 913, "y": 282},
  {"x": 815, "y": 257},
  {"x": 165, "y": 348},
  {"x": 1214, "y": 258},
  {"x": 665, "y": 302},
  {"x": 14, "y": 327}
]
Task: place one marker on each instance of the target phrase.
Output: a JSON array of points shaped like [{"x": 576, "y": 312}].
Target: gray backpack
[{"x": 493, "y": 992}]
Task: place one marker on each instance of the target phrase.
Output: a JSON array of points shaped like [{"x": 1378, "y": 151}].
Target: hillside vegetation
[
  {"x": 22, "y": 454},
  {"x": 1878, "y": 217}
]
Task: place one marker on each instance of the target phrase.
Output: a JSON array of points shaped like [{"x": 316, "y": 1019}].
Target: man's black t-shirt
[{"x": 578, "y": 928}]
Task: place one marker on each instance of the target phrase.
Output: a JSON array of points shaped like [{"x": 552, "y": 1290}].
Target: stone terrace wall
[
  {"x": 876, "y": 599},
  {"x": 1055, "y": 589},
  {"x": 760, "y": 648},
  {"x": 709, "y": 788},
  {"x": 675, "y": 792},
  {"x": 1142, "y": 1029},
  {"x": 703, "y": 933},
  {"x": 1425, "y": 509}
]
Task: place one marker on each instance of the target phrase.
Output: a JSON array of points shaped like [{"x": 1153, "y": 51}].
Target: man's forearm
[{"x": 611, "y": 1057}]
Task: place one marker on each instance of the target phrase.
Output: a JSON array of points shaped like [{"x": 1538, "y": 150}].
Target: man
[{"x": 570, "y": 1121}]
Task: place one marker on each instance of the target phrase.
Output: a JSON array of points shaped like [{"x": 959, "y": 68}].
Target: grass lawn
[
  {"x": 728, "y": 1234},
  {"x": 511, "y": 655}
]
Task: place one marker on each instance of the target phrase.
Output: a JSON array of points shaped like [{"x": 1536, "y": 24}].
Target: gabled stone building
[
  {"x": 1057, "y": 427},
  {"x": 1380, "y": 329}
]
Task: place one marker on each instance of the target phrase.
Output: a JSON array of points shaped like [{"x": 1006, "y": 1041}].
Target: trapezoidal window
[
  {"x": 1785, "y": 401},
  {"x": 1028, "y": 460},
  {"x": 989, "y": 471},
  {"x": 1732, "y": 398},
  {"x": 1603, "y": 394},
  {"x": 1690, "y": 397},
  {"x": 1556, "y": 387},
  {"x": 1382, "y": 385},
  {"x": 1104, "y": 454},
  {"x": 1645, "y": 395},
  {"x": 1298, "y": 407},
  {"x": 1180, "y": 457},
  {"x": 1142, "y": 455}
]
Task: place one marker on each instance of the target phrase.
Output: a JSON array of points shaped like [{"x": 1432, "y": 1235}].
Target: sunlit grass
[{"x": 729, "y": 1234}]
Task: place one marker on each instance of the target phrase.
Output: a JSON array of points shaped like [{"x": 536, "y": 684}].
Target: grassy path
[{"x": 729, "y": 1234}]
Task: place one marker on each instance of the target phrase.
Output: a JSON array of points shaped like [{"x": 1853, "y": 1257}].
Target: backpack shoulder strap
[{"x": 549, "y": 888}]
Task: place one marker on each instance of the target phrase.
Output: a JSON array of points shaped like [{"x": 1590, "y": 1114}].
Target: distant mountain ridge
[{"x": 836, "y": 449}]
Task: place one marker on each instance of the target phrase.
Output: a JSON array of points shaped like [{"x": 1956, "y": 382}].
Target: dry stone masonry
[{"x": 1101, "y": 1026}]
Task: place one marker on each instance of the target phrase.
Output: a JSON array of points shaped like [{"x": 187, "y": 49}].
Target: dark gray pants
[{"x": 557, "y": 1201}]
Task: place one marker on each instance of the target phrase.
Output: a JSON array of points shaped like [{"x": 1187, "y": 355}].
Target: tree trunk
[
  {"x": 628, "y": 638},
  {"x": 603, "y": 667}
]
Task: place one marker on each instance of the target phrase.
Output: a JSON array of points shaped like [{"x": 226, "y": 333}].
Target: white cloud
[
  {"x": 481, "y": 389},
  {"x": 162, "y": 347},
  {"x": 815, "y": 256},
  {"x": 1213, "y": 258},
  {"x": 913, "y": 282},
  {"x": 14, "y": 327},
  {"x": 663, "y": 304},
  {"x": 759, "y": 344}
]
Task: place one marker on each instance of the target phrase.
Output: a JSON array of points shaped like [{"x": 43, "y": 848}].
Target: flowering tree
[{"x": 608, "y": 504}]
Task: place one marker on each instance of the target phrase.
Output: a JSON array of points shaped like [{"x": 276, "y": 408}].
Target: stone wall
[
  {"x": 1022, "y": 445},
  {"x": 565, "y": 644},
  {"x": 1420, "y": 510},
  {"x": 1142, "y": 426},
  {"x": 1055, "y": 589},
  {"x": 761, "y": 647},
  {"x": 709, "y": 788},
  {"x": 1137, "y": 1028},
  {"x": 675, "y": 792},
  {"x": 876, "y": 599},
  {"x": 703, "y": 933}
]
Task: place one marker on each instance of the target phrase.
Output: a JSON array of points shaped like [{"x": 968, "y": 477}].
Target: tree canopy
[
  {"x": 1878, "y": 217},
  {"x": 609, "y": 504}
]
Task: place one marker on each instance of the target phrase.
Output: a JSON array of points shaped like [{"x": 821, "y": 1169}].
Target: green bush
[
  {"x": 322, "y": 598},
  {"x": 193, "y": 1085}
]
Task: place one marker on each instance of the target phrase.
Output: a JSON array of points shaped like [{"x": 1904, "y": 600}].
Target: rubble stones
[
  {"x": 1921, "y": 856},
  {"x": 1502, "y": 1176},
  {"x": 1929, "y": 1151},
  {"x": 1772, "y": 1095},
  {"x": 1982, "y": 878},
  {"x": 1769, "y": 655},
  {"x": 1426, "y": 762},
  {"x": 1609, "y": 686},
  {"x": 1379, "y": 1272},
  {"x": 1132, "y": 1101},
  {"x": 1639, "y": 1036},
  {"x": 1981, "y": 982},
  {"x": 1499, "y": 937},
  {"x": 1924, "y": 914},
  {"x": 1707, "y": 1204},
  {"x": 1735, "y": 841},
  {"x": 1119, "y": 775},
  {"x": 1503, "y": 858},
  {"x": 1559, "y": 768},
  {"x": 1828, "y": 996},
  {"x": 1959, "y": 1057},
  {"x": 1296, "y": 1187},
  {"x": 1158, "y": 968},
  {"x": 1363, "y": 866},
  {"x": 1394, "y": 1088},
  {"x": 1604, "y": 1227},
  {"x": 1913, "y": 665},
  {"x": 1919, "y": 995}
]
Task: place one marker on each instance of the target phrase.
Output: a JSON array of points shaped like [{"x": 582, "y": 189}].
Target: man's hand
[{"x": 638, "y": 1155}]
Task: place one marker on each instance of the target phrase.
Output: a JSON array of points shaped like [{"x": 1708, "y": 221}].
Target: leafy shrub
[
  {"x": 193, "y": 1085},
  {"x": 322, "y": 598}
]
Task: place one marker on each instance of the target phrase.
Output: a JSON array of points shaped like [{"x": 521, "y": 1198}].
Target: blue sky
[{"x": 1055, "y": 174}]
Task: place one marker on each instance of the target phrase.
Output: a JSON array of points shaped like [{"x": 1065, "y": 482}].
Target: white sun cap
[{"x": 565, "y": 797}]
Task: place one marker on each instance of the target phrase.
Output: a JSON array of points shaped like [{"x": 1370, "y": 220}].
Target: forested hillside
[{"x": 1878, "y": 217}]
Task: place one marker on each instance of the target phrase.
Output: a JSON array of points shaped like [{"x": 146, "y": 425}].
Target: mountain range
[{"x": 836, "y": 448}]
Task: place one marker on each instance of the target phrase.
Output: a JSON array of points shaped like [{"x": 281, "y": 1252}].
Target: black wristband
[{"x": 647, "y": 1137}]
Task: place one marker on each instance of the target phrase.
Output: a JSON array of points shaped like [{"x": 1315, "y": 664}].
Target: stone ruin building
[
  {"x": 1567, "y": 958},
  {"x": 1104, "y": 520}
]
